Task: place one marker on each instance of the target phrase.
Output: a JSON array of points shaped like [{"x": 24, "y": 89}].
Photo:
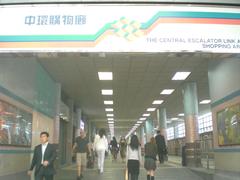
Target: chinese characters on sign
[{"x": 44, "y": 20}]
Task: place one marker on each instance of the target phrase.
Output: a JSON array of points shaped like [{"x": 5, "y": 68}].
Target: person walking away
[
  {"x": 123, "y": 148},
  {"x": 150, "y": 158},
  {"x": 101, "y": 146},
  {"x": 81, "y": 146},
  {"x": 133, "y": 158},
  {"x": 43, "y": 159},
  {"x": 114, "y": 148},
  {"x": 161, "y": 146}
]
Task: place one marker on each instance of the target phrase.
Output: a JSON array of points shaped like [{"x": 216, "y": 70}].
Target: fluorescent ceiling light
[
  {"x": 142, "y": 119},
  {"x": 105, "y": 75},
  {"x": 157, "y": 102},
  {"x": 109, "y": 109},
  {"x": 110, "y": 115},
  {"x": 146, "y": 115},
  {"x": 174, "y": 119},
  {"x": 181, "y": 75},
  {"x": 181, "y": 114},
  {"x": 151, "y": 109},
  {"x": 108, "y": 102},
  {"x": 110, "y": 122},
  {"x": 107, "y": 92},
  {"x": 206, "y": 101},
  {"x": 110, "y": 119},
  {"x": 139, "y": 122},
  {"x": 167, "y": 91}
]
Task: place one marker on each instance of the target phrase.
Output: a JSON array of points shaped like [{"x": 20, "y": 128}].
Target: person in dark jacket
[
  {"x": 114, "y": 148},
  {"x": 43, "y": 159},
  {"x": 161, "y": 146},
  {"x": 150, "y": 158}
]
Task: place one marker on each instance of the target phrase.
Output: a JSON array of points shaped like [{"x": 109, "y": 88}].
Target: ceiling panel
[{"x": 138, "y": 79}]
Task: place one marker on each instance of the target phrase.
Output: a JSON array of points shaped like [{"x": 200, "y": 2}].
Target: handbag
[
  {"x": 106, "y": 154},
  {"x": 126, "y": 174}
]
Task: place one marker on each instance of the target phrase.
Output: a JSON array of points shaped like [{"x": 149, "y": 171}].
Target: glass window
[
  {"x": 205, "y": 123},
  {"x": 170, "y": 133},
  {"x": 180, "y": 130}
]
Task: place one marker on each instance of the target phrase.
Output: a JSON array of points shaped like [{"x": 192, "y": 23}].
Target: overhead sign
[{"x": 119, "y": 28}]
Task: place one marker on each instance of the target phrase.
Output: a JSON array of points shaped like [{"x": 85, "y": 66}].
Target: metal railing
[{"x": 206, "y": 146}]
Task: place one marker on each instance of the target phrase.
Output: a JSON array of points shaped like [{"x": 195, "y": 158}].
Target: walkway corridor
[{"x": 115, "y": 171}]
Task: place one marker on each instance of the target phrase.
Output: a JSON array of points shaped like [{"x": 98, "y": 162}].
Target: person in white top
[
  {"x": 133, "y": 158},
  {"x": 100, "y": 146}
]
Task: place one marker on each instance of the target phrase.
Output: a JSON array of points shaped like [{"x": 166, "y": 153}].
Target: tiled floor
[{"x": 115, "y": 171}]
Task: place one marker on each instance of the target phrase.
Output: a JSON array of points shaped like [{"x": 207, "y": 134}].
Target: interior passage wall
[
  {"x": 224, "y": 84},
  {"x": 25, "y": 80},
  {"x": 26, "y": 85}
]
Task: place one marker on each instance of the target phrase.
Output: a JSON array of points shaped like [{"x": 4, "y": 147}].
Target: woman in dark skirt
[
  {"x": 133, "y": 158},
  {"x": 150, "y": 158}
]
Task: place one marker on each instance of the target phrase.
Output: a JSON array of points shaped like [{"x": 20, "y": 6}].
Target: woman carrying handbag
[{"x": 133, "y": 158}]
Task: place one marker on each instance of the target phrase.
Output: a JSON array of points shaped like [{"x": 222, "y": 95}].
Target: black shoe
[
  {"x": 78, "y": 178},
  {"x": 81, "y": 176}
]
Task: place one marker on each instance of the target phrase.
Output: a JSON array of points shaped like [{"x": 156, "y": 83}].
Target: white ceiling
[{"x": 138, "y": 79}]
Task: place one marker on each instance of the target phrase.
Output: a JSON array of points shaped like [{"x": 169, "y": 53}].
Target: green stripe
[
  {"x": 79, "y": 38},
  {"x": 14, "y": 151},
  {"x": 225, "y": 150},
  {"x": 226, "y": 98},
  {"x": 55, "y": 38},
  {"x": 208, "y": 15}
]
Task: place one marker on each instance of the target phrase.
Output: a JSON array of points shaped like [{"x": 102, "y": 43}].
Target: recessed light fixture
[
  {"x": 107, "y": 92},
  {"x": 105, "y": 75},
  {"x": 108, "y": 102},
  {"x": 142, "y": 119},
  {"x": 109, "y": 109},
  {"x": 181, "y": 114},
  {"x": 167, "y": 91},
  {"x": 146, "y": 115},
  {"x": 206, "y": 101},
  {"x": 181, "y": 75},
  {"x": 110, "y": 115},
  {"x": 157, "y": 102},
  {"x": 151, "y": 109},
  {"x": 110, "y": 119}
]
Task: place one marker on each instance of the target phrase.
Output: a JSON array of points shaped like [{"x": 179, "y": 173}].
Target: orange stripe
[{"x": 110, "y": 32}]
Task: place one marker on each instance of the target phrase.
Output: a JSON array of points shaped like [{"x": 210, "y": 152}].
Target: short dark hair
[
  {"x": 102, "y": 132},
  {"x": 158, "y": 131},
  {"x": 46, "y": 133}
]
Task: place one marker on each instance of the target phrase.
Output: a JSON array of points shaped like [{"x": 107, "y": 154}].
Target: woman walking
[
  {"x": 123, "y": 148},
  {"x": 133, "y": 158},
  {"x": 150, "y": 158},
  {"x": 100, "y": 146}
]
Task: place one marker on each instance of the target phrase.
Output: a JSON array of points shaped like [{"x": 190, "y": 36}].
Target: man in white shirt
[{"x": 43, "y": 159}]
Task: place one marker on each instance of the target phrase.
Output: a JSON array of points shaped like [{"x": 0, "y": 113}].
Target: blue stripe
[{"x": 226, "y": 98}]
